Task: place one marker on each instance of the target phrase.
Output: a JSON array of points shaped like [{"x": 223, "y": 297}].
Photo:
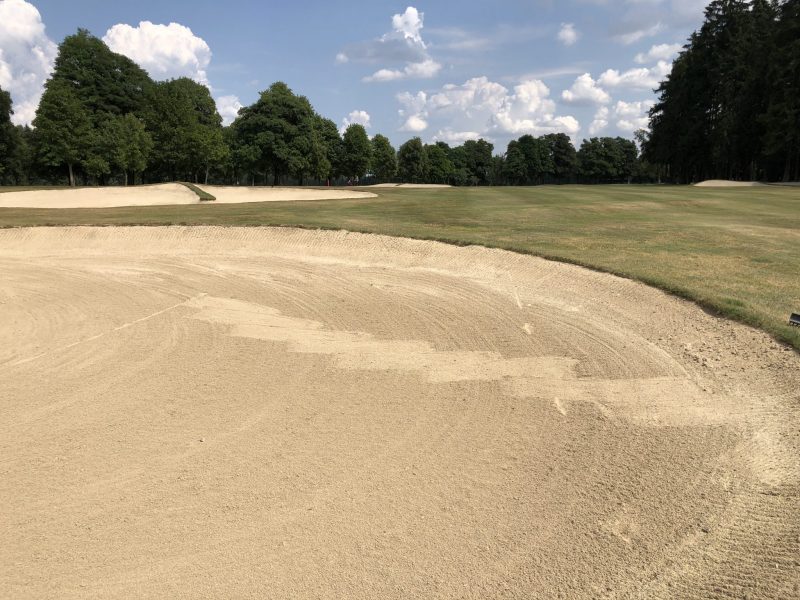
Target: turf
[{"x": 735, "y": 252}]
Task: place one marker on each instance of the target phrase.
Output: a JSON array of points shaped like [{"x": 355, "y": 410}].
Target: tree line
[
  {"x": 730, "y": 109},
  {"x": 103, "y": 120}
]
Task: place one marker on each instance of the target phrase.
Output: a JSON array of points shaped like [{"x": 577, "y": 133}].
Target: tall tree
[
  {"x": 438, "y": 166},
  {"x": 8, "y": 135},
  {"x": 278, "y": 131},
  {"x": 411, "y": 161},
  {"x": 384, "y": 158},
  {"x": 356, "y": 151},
  {"x": 63, "y": 128}
]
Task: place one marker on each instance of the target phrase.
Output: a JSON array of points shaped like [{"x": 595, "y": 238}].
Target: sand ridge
[
  {"x": 724, "y": 183},
  {"x": 272, "y": 412},
  {"x": 166, "y": 194}
]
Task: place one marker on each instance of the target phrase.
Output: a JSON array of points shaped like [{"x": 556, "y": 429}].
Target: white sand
[
  {"x": 164, "y": 194},
  {"x": 241, "y": 194},
  {"x": 101, "y": 197},
  {"x": 726, "y": 183},
  {"x": 213, "y": 412}
]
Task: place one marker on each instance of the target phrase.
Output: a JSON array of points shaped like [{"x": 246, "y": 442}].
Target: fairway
[
  {"x": 247, "y": 412},
  {"x": 734, "y": 251}
]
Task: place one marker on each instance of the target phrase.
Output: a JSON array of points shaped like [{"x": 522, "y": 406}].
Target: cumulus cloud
[
  {"x": 403, "y": 48},
  {"x": 632, "y": 115},
  {"x": 641, "y": 78},
  {"x": 600, "y": 121},
  {"x": 164, "y": 51},
  {"x": 228, "y": 107},
  {"x": 659, "y": 52},
  {"x": 585, "y": 91},
  {"x": 483, "y": 108},
  {"x": 568, "y": 35},
  {"x": 167, "y": 52},
  {"x": 26, "y": 57},
  {"x": 356, "y": 117}
]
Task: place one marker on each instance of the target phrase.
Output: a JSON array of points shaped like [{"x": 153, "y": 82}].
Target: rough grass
[
  {"x": 203, "y": 195},
  {"x": 736, "y": 252}
]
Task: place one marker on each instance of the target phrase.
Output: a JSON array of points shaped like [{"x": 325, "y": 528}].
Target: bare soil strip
[{"x": 212, "y": 412}]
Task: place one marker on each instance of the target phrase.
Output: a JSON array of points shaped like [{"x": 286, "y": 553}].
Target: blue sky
[{"x": 440, "y": 69}]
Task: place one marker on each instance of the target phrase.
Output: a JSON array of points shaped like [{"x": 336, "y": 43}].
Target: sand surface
[
  {"x": 164, "y": 194},
  {"x": 726, "y": 183},
  {"x": 240, "y": 194},
  {"x": 420, "y": 186},
  {"x": 272, "y": 413}
]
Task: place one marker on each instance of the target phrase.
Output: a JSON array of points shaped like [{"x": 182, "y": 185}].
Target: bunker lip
[
  {"x": 336, "y": 403},
  {"x": 165, "y": 194}
]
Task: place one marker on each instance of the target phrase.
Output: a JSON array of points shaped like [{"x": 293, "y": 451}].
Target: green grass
[
  {"x": 203, "y": 195},
  {"x": 736, "y": 252}
]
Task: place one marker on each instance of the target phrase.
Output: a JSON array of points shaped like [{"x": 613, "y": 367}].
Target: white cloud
[
  {"x": 632, "y": 115},
  {"x": 403, "y": 47},
  {"x": 480, "y": 107},
  {"x": 585, "y": 91},
  {"x": 26, "y": 57},
  {"x": 415, "y": 123},
  {"x": 659, "y": 52},
  {"x": 409, "y": 24},
  {"x": 631, "y": 37},
  {"x": 228, "y": 108},
  {"x": 455, "y": 137},
  {"x": 641, "y": 79},
  {"x": 356, "y": 117},
  {"x": 421, "y": 70},
  {"x": 568, "y": 35},
  {"x": 164, "y": 51},
  {"x": 600, "y": 121}
]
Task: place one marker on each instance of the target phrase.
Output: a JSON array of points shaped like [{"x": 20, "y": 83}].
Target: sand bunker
[
  {"x": 240, "y": 194},
  {"x": 165, "y": 194},
  {"x": 726, "y": 183},
  {"x": 420, "y": 186},
  {"x": 212, "y": 412}
]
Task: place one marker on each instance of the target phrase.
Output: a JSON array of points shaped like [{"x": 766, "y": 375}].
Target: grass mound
[{"x": 203, "y": 195}]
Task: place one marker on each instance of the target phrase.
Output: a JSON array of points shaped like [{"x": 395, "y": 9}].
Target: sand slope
[
  {"x": 239, "y": 194},
  {"x": 253, "y": 413},
  {"x": 164, "y": 194},
  {"x": 101, "y": 197},
  {"x": 725, "y": 183}
]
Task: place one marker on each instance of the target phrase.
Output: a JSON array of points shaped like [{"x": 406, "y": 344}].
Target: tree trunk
[
  {"x": 126, "y": 178},
  {"x": 71, "y": 176},
  {"x": 787, "y": 171},
  {"x": 207, "y": 170}
]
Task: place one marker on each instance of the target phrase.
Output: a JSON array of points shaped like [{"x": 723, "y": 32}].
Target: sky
[{"x": 443, "y": 70}]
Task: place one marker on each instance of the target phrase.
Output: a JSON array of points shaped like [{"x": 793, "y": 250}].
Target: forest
[{"x": 730, "y": 109}]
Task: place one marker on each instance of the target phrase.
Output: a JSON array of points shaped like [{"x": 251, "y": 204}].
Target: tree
[
  {"x": 514, "y": 167},
  {"x": 328, "y": 136},
  {"x": 8, "y": 134},
  {"x": 411, "y": 161},
  {"x": 384, "y": 158},
  {"x": 438, "y": 167},
  {"x": 563, "y": 155},
  {"x": 356, "y": 151},
  {"x": 104, "y": 82},
  {"x": 134, "y": 145},
  {"x": 63, "y": 128},
  {"x": 278, "y": 131},
  {"x": 478, "y": 159},
  {"x": 186, "y": 129}
]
